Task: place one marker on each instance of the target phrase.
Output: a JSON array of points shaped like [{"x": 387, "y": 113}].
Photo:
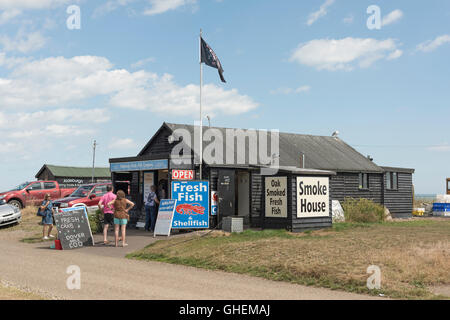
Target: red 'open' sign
[{"x": 182, "y": 174}]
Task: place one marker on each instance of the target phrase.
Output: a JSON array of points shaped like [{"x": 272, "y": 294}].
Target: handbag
[{"x": 40, "y": 213}]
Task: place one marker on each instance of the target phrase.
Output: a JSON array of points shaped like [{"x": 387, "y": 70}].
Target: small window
[
  {"x": 49, "y": 185},
  {"x": 363, "y": 181},
  {"x": 388, "y": 181},
  {"x": 391, "y": 180},
  {"x": 35, "y": 186},
  {"x": 394, "y": 180}
]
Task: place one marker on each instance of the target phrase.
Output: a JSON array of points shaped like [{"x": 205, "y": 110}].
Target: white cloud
[
  {"x": 445, "y": 147},
  {"x": 30, "y": 128},
  {"x": 290, "y": 90},
  {"x": 348, "y": 19},
  {"x": 394, "y": 55},
  {"x": 432, "y": 45},
  {"x": 31, "y": 4},
  {"x": 344, "y": 54},
  {"x": 161, "y": 6},
  {"x": 110, "y": 6},
  {"x": 314, "y": 16},
  {"x": 392, "y": 17},
  {"x": 124, "y": 143},
  {"x": 23, "y": 41},
  {"x": 40, "y": 133},
  {"x": 142, "y": 62},
  {"x": 62, "y": 82},
  {"x": 8, "y": 15}
]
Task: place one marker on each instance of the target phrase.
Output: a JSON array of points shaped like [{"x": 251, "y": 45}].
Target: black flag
[{"x": 210, "y": 58}]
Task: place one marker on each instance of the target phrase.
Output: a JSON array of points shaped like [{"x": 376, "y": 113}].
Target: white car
[{"x": 9, "y": 214}]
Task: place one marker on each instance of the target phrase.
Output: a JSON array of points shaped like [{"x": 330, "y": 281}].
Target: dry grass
[
  {"x": 413, "y": 255},
  {"x": 12, "y": 293},
  {"x": 28, "y": 230}
]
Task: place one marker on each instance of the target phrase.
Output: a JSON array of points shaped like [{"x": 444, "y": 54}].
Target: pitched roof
[
  {"x": 321, "y": 152},
  {"x": 75, "y": 172}
]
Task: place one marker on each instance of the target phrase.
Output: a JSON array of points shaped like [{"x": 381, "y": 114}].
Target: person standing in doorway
[
  {"x": 121, "y": 208},
  {"x": 107, "y": 210},
  {"x": 47, "y": 218},
  {"x": 151, "y": 209}
]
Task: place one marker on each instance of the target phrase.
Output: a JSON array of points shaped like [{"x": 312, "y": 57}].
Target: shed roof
[
  {"x": 321, "y": 152},
  {"x": 397, "y": 169},
  {"x": 75, "y": 172}
]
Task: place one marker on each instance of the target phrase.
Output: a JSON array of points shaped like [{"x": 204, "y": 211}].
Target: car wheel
[{"x": 15, "y": 203}]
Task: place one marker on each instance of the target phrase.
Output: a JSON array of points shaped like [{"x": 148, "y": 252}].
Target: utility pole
[{"x": 93, "y": 160}]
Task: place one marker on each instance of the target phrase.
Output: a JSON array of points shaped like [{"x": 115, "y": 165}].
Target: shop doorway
[
  {"x": 243, "y": 194},
  {"x": 226, "y": 193}
]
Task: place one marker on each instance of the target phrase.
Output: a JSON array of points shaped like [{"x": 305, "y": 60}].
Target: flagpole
[{"x": 201, "y": 118}]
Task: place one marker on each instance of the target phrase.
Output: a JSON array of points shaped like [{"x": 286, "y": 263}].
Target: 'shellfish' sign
[{"x": 192, "y": 209}]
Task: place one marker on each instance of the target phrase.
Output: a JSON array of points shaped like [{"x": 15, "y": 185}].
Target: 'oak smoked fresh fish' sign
[{"x": 192, "y": 209}]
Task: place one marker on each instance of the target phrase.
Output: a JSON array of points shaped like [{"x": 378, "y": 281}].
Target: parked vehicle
[
  {"x": 9, "y": 214},
  {"x": 87, "y": 195},
  {"x": 33, "y": 193}
]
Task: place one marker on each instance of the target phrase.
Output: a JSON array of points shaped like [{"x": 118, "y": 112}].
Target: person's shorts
[
  {"x": 47, "y": 219},
  {"x": 109, "y": 218},
  {"x": 120, "y": 222}
]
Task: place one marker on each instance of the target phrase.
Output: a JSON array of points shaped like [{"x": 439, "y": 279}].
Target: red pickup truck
[
  {"x": 86, "y": 195},
  {"x": 33, "y": 193}
]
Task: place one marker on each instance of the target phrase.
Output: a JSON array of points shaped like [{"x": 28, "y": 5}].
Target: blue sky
[{"x": 298, "y": 66}]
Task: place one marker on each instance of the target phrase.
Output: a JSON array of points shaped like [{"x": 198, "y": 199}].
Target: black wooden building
[{"x": 349, "y": 174}]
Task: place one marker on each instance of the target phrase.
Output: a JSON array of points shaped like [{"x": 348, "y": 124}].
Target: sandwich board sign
[
  {"x": 74, "y": 230},
  {"x": 165, "y": 217},
  {"x": 192, "y": 209}
]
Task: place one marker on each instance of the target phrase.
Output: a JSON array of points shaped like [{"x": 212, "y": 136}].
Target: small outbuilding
[{"x": 72, "y": 177}]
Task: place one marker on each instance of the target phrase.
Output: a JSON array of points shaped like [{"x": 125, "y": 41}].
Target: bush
[
  {"x": 362, "y": 210},
  {"x": 95, "y": 220}
]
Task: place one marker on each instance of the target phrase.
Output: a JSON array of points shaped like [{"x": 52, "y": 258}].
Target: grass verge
[
  {"x": 11, "y": 293},
  {"x": 413, "y": 255}
]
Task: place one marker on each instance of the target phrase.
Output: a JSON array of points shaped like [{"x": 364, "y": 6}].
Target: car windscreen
[
  {"x": 20, "y": 186},
  {"x": 81, "y": 192}
]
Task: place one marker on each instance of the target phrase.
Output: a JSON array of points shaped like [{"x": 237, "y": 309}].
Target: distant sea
[{"x": 425, "y": 196}]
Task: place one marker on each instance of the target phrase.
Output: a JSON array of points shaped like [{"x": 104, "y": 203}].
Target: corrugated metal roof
[
  {"x": 73, "y": 172},
  {"x": 321, "y": 152}
]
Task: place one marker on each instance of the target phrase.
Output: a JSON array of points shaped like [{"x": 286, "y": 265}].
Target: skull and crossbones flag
[{"x": 209, "y": 57}]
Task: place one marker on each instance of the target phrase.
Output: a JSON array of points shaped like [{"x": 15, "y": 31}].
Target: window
[
  {"x": 394, "y": 180},
  {"x": 391, "y": 180},
  {"x": 388, "y": 181},
  {"x": 99, "y": 190},
  {"x": 35, "y": 186},
  {"x": 363, "y": 181},
  {"x": 49, "y": 185}
]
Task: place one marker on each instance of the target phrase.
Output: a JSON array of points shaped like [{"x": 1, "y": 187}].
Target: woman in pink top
[{"x": 107, "y": 211}]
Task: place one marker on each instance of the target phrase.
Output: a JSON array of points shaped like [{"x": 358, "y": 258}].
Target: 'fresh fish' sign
[{"x": 192, "y": 210}]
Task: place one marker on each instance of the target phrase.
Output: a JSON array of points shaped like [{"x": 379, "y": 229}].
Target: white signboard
[
  {"x": 313, "y": 197},
  {"x": 148, "y": 182},
  {"x": 165, "y": 217},
  {"x": 276, "y": 197}
]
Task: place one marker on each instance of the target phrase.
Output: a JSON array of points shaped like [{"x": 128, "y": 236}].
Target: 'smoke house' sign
[
  {"x": 313, "y": 197},
  {"x": 276, "y": 197}
]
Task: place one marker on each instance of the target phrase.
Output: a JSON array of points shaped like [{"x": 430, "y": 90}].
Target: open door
[{"x": 226, "y": 193}]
